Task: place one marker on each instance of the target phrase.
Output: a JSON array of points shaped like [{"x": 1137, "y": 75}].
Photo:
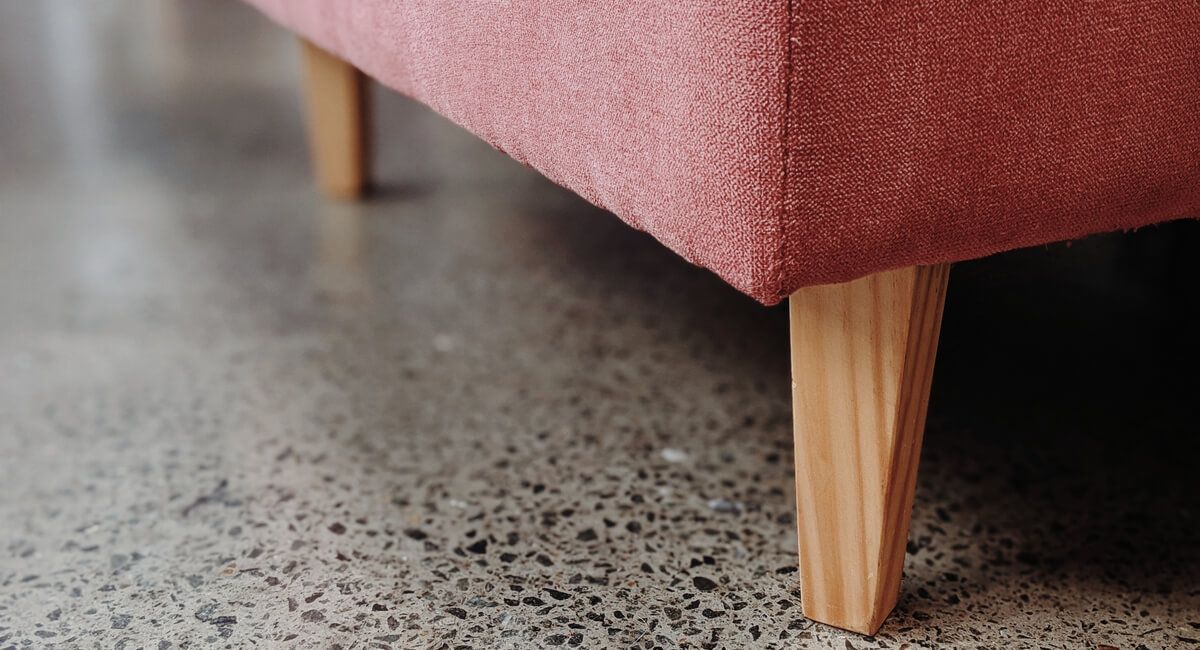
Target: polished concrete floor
[{"x": 476, "y": 412}]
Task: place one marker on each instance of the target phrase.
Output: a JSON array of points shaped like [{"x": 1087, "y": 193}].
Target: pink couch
[{"x": 784, "y": 144}]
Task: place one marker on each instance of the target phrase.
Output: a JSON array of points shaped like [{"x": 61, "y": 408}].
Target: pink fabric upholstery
[{"x": 783, "y": 143}]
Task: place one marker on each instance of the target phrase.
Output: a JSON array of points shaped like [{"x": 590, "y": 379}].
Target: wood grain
[
  {"x": 862, "y": 363},
  {"x": 335, "y": 94}
]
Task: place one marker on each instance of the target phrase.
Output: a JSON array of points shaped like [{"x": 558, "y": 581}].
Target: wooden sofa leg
[
  {"x": 335, "y": 94},
  {"x": 862, "y": 362}
]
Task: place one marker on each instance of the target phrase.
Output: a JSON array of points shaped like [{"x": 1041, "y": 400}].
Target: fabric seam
[{"x": 786, "y": 149}]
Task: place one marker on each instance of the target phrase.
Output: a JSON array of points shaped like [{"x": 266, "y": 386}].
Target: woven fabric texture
[{"x": 783, "y": 143}]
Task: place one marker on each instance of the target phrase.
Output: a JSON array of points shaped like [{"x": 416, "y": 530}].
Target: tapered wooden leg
[
  {"x": 335, "y": 93},
  {"x": 862, "y": 362}
]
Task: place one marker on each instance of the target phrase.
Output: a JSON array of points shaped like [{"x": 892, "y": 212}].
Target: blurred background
[{"x": 475, "y": 411}]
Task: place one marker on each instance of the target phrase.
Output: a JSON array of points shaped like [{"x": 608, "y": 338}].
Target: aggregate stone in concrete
[{"x": 475, "y": 412}]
